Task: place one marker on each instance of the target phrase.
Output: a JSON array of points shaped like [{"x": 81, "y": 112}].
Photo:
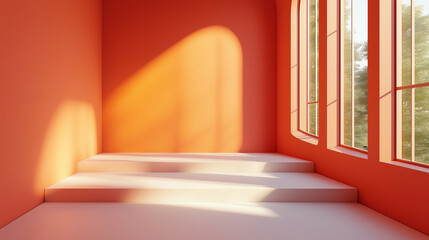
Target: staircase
[
  {"x": 202, "y": 196},
  {"x": 197, "y": 177}
]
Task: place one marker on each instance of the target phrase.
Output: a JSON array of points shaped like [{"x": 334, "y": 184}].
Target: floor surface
[{"x": 206, "y": 221}]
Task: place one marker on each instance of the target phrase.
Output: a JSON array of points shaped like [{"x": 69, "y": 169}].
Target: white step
[
  {"x": 203, "y": 187},
  {"x": 194, "y": 162}
]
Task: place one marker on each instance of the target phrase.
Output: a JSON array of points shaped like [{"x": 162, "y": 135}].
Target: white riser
[
  {"x": 204, "y": 187},
  {"x": 231, "y": 162},
  {"x": 200, "y": 195},
  {"x": 118, "y": 166}
]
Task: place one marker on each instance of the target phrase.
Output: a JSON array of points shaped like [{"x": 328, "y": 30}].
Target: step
[
  {"x": 203, "y": 187},
  {"x": 194, "y": 162}
]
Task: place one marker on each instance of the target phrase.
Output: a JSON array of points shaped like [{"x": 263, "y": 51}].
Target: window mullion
[
  {"x": 316, "y": 75},
  {"x": 316, "y": 44},
  {"x": 342, "y": 72},
  {"x": 307, "y": 66},
  {"x": 353, "y": 74},
  {"x": 399, "y": 80},
  {"x": 413, "y": 143}
]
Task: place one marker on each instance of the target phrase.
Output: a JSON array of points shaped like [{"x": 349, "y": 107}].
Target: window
[
  {"x": 412, "y": 81},
  {"x": 309, "y": 74},
  {"x": 354, "y": 74}
]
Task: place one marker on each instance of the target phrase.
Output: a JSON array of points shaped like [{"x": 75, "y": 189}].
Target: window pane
[
  {"x": 412, "y": 103},
  {"x": 310, "y": 81},
  {"x": 314, "y": 118},
  {"x": 404, "y": 121},
  {"x": 313, "y": 50},
  {"x": 422, "y": 124},
  {"x": 360, "y": 16},
  {"x": 347, "y": 73},
  {"x": 421, "y": 12},
  {"x": 355, "y": 74},
  {"x": 406, "y": 44}
]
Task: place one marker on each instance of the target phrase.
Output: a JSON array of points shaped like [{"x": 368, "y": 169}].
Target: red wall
[
  {"x": 396, "y": 191},
  {"x": 50, "y": 96},
  {"x": 189, "y": 76}
]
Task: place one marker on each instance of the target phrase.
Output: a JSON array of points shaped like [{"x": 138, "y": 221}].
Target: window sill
[
  {"x": 349, "y": 152},
  {"x": 305, "y": 137},
  {"x": 409, "y": 166}
]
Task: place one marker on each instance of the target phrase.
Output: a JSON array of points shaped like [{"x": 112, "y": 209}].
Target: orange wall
[
  {"x": 396, "y": 191},
  {"x": 189, "y": 76},
  {"x": 50, "y": 91}
]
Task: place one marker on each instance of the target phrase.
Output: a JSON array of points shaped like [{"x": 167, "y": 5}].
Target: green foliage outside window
[
  {"x": 355, "y": 70},
  {"x": 421, "y": 74}
]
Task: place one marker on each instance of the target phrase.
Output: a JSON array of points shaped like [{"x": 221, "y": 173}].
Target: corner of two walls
[
  {"x": 207, "y": 71},
  {"x": 50, "y": 96}
]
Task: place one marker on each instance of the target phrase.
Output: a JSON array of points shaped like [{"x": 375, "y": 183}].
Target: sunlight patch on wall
[
  {"x": 188, "y": 99},
  {"x": 70, "y": 137}
]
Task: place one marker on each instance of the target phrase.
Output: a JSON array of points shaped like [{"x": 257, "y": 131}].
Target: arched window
[
  {"x": 412, "y": 81},
  {"x": 309, "y": 67},
  {"x": 354, "y": 74}
]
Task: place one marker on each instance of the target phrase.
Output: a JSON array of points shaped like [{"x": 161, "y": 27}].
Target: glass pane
[
  {"x": 313, "y": 119},
  {"x": 347, "y": 73},
  {"x": 406, "y": 44},
  {"x": 360, "y": 39},
  {"x": 313, "y": 43},
  {"x": 421, "y": 13},
  {"x": 404, "y": 121},
  {"x": 422, "y": 125},
  {"x": 355, "y": 74},
  {"x": 361, "y": 114}
]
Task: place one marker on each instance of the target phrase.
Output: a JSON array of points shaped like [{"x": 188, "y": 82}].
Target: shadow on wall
[{"x": 189, "y": 98}]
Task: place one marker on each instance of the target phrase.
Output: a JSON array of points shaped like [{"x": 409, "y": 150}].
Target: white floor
[{"x": 206, "y": 221}]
